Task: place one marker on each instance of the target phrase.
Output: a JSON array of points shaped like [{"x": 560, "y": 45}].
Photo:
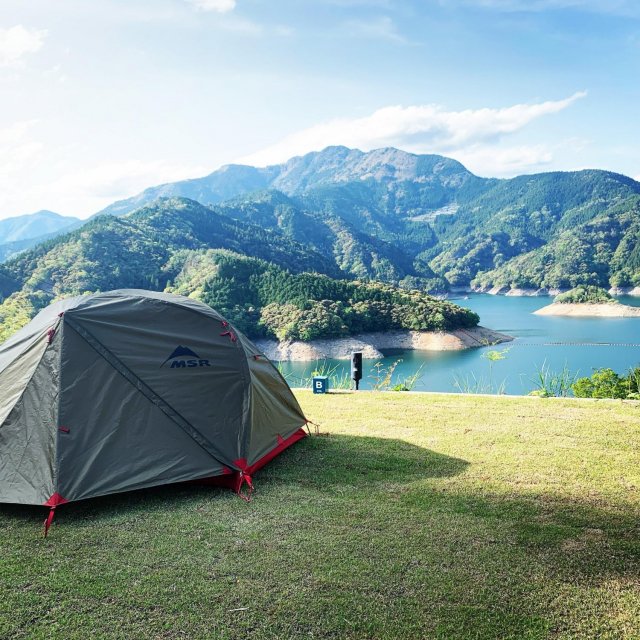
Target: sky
[{"x": 100, "y": 99}]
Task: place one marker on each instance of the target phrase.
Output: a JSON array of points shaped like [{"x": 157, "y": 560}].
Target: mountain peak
[
  {"x": 33, "y": 225},
  {"x": 46, "y": 213},
  {"x": 336, "y": 165},
  {"x": 333, "y": 165}
]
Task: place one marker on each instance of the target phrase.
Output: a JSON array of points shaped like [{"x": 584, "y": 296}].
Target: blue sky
[{"x": 103, "y": 98}]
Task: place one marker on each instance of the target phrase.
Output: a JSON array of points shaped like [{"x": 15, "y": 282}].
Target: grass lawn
[{"x": 412, "y": 516}]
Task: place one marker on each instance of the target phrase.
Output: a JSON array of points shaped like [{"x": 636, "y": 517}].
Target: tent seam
[
  {"x": 59, "y": 332},
  {"x": 246, "y": 369},
  {"x": 24, "y": 390}
]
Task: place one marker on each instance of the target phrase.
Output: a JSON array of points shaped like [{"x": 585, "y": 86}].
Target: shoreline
[
  {"x": 534, "y": 293},
  {"x": 589, "y": 309},
  {"x": 372, "y": 344},
  {"x": 509, "y": 396}
]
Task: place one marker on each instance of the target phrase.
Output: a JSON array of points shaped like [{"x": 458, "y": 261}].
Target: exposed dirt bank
[
  {"x": 506, "y": 291},
  {"x": 372, "y": 344},
  {"x": 625, "y": 291},
  {"x": 604, "y": 310}
]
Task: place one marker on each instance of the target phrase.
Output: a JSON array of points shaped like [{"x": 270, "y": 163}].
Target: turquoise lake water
[{"x": 581, "y": 344}]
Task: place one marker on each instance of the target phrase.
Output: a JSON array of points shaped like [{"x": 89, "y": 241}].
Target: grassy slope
[{"x": 418, "y": 516}]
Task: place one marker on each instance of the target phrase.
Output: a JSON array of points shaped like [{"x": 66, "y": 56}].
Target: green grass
[{"x": 412, "y": 516}]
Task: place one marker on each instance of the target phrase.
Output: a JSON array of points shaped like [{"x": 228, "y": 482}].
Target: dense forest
[
  {"x": 264, "y": 300},
  {"x": 284, "y": 290}
]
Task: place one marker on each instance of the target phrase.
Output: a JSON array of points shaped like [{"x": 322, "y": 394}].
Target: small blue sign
[{"x": 320, "y": 384}]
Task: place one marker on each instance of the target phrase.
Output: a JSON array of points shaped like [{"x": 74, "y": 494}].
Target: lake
[{"x": 580, "y": 344}]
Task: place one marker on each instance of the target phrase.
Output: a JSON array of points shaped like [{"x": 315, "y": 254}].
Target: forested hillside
[
  {"x": 361, "y": 241},
  {"x": 263, "y": 299},
  {"x": 170, "y": 245},
  {"x": 7, "y": 283},
  {"x": 111, "y": 253},
  {"x": 425, "y": 221},
  {"x": 604, "y": 252},
  {"x": 555, "y": 216}
]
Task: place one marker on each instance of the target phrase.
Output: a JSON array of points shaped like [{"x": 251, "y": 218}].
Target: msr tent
[{"x": 128, "y": 389}]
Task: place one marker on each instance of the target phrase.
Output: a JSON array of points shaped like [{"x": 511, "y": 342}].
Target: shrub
[
  {"x": 584, "y": 293},
  {"x": 604, "y": 383}
]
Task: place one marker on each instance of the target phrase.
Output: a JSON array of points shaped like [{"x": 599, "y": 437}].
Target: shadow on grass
[
  {"x": 364, "y": 464},
  {"x": 359, "y": 461},
  {"x": 322, "y": 462},
  {"x": 432, "y": 559}
]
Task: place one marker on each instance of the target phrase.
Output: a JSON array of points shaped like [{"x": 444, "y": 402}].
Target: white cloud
[
  {"x": 17, "y": 42},
  {"x": 386, "y": 4},
  {"x": 381, "y": 28},
  {"x": 505, "y": 161},
  {"x": 241, "y": 26},
  {"x": 72, "y": 190},
  {"x": 284, "y": 30},
  {"x": 472, "y": 133},
  {"x": 637, "y": 178},
  {"x": 220, "y": 6}
]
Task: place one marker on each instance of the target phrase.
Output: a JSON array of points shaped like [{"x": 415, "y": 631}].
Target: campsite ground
[{"x": 411, "y": 516}]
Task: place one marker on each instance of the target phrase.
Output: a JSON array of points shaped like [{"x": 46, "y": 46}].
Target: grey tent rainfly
[{"x": 128, "y": 389}]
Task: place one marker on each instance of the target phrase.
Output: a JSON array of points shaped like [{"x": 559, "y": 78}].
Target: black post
[{"x": 356, "y": 367}]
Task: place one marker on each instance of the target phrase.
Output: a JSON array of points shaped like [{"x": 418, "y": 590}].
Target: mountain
[
  {"x": 602, "y": 252},
  {"x": 425, "y": 221},
  {"x": 582, "y": 226},
  {"x": 225, "y": 183},
  {"x": 33, "y": 225},
  {"x": 23, "y": 232},
  {"x": 8, "y": 284},
  {"x": 413, "y": 180},
  {"x": 367, "y": 250},
  {"x": 417, "y": 222},
  {"x": 134, "y": 251},
  {"x": 10, "y": 249},
  {"x": 560, "y": 229},
  {"x": 179, "y": 244}
]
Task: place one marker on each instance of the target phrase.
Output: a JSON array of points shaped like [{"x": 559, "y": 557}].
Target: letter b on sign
[{"x": 320, "y": 384}]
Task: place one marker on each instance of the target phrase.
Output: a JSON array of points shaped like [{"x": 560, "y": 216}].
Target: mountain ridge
[
  {"x": 299, "y": 174},
  {"x": 266, "y": 283},
  {"x": 18, "y": 233},
  {"x": 421, "y": 223}
]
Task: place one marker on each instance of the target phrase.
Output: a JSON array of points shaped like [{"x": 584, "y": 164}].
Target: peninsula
[
  {"x": 588, "y": 301},
  {"x": 586, "y": 309},
  {"x": 373, "y": 344}
]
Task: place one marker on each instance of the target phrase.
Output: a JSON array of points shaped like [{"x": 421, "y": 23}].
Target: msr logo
[{"x": 183, "y": 358}]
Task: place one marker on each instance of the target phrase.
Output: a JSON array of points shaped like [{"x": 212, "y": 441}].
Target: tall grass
[
  {"x": 408, "y": 383},
  {"x": 381, "y": 375},
  {"x": 550, "y": 383},
  {"x": 470, "y": 383}
]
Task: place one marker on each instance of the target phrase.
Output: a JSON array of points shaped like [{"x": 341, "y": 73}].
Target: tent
[{"x": 128, "y": 389}]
